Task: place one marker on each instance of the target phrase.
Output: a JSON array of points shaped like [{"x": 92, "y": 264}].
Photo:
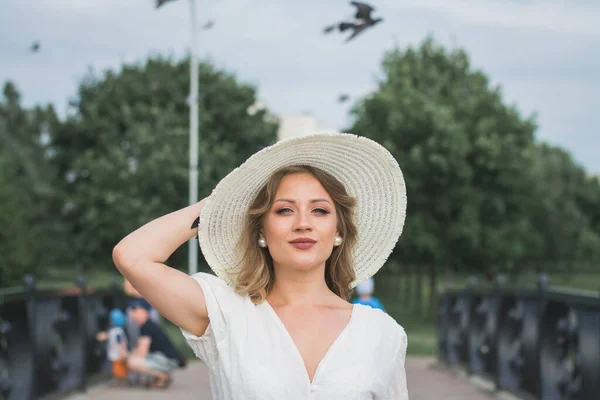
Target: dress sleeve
[
  {"x": 397, "y": 388},
  {"x": 222, "y": 302}
]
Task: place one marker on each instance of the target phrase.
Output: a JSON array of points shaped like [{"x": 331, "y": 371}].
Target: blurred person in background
[
  {"x": 364, "y": 291},
  {"x": 133, "y": 329},
  {"x": 154, "y": 354},
  {"x": 116, "y": 344}
]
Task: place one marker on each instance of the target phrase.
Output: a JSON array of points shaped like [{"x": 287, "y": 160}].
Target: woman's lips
[{"x": 303, "y": 245}]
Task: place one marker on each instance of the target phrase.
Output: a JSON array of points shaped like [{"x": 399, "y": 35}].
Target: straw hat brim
[{"x": 368, "y": 171}]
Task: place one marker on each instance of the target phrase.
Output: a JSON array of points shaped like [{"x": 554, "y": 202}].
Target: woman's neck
[{"x": 293, "y": 287}]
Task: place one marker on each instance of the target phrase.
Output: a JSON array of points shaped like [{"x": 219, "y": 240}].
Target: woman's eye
[
  {"x": 283, "y": 210},
  {"x": 322, "y": 211}
]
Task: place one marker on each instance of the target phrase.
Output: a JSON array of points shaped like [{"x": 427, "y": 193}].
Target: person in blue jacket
[{"x": 364, "y": 291}]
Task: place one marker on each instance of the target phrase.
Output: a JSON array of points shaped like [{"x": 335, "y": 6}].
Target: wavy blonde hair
[{"x": 257, "y": 275}]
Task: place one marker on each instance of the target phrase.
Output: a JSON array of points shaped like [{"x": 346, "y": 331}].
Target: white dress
[{"x": 250, "y": 355}]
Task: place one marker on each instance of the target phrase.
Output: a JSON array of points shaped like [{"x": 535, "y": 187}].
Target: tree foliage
[
  {"x": 480, "y": 188},
  {"x": 483, "y": 193},
  {"x": 29, "y": 199},
  {"x": 122, "y": 153},
  {"x": 568, "y": 209}
]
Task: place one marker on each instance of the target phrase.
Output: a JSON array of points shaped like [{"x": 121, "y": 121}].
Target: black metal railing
[
  {"x": 536, "y": 343},
  {"x": 48, "y": 338}
]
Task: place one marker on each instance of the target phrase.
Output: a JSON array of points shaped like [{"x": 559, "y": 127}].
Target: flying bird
[
  {"x": 363, "y": 21},
  {"x": 209, "y": 24},
  {"x": 363, "y": 11},
  {"x": 160, "y": 3},
  {"x": 35, "y": 46},
  {"x": 343, "y": 98}
]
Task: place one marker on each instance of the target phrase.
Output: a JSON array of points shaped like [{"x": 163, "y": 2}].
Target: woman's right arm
[{"x": 140, "y": 258}]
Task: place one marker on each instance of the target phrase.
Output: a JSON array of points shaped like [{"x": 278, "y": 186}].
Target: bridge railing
[
  {"x": 537, "y": 343},
  {"x": 48, "y": 338}
]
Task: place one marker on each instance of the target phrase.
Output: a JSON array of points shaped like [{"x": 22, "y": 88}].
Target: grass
[
  {"x": 420, "y": 327},
  {"x": 421, "y": 332},
  {"x": 589, "y": 281},
  {"x": 417, "y": 319},
  {"x": 65, "y": 279},
  {"x": 177, "y": 338},
  {"x": 585, "y": 281}
]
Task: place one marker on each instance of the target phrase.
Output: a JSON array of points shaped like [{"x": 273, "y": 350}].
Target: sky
[{"x": 544, "y": 54}]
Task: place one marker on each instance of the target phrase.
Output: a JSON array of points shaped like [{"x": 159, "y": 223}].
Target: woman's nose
[{"x": 302, "y": 221}]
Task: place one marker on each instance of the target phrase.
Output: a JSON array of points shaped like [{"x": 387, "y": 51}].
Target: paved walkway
[{"x": 424, "y": 383}]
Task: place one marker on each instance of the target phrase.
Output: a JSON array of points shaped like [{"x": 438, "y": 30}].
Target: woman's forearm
[{"x": 158, "y": 239}]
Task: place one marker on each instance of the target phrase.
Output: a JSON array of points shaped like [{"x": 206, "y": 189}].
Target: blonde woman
[{"x": 288, "y": 234}]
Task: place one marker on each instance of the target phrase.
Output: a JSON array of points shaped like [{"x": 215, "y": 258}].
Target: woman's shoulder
[
  {"x": 221, "y": 299},
  {"x": 212, "y": 280},
  {"x": 218, "y": 286},
  {"x": 378, "y": 322}
]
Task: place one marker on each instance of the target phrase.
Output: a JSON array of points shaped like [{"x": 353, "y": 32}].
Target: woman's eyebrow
[{"x": 294, "y": 201}]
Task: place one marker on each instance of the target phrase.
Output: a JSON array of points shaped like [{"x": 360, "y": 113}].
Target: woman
[{"x": 288, "y": 235}]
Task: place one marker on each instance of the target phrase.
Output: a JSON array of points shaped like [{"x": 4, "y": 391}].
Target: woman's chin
[{"x": 305, "y": 263}]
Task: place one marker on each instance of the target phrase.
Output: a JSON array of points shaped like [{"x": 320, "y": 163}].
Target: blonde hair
[{"x": 256, "y": 275}]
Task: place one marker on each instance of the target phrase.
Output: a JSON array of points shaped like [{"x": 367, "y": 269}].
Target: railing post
[
  {"x": 6, "y": 383},
  {"x": 542, "y": 286},
  {"x": 83, "y": 331},
  {"x": 30, "y": 286},
  {"x": 497, "y": 286},
  {"x": 118, "y": 295}
]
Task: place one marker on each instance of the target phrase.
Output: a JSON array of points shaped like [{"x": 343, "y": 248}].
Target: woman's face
[{"x": 301, "y": 225}]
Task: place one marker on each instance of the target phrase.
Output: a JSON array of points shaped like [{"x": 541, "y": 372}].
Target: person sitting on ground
[
  {"x": 155, "y": 354},
  {"x": 364, "y": 290},
  {"x": 131, "y": 328}
]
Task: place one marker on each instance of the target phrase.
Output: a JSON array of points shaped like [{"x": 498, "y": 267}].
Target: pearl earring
[
  {"x": 337, "y": 241},
  {"x": 262, "y": 242}
]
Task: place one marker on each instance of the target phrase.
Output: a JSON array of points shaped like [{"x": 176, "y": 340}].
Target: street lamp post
[
  {"x": 194, "y": 134},
  {"x": 193, "y": 101}
]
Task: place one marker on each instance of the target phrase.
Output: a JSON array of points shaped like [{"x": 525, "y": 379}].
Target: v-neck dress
[{"x": 250, "y": 355}]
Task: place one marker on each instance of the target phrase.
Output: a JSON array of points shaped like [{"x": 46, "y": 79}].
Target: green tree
[
  {"x": 588, "y": 200},
  {"x": 30, "y": 239},
  {"x": 465, "y": 154},
  {"x": 568, "y": 211},
  {"x": 123, "y": 151}
]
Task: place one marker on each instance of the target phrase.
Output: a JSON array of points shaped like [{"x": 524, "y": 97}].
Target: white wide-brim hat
[{"x": 368, "y": 171}]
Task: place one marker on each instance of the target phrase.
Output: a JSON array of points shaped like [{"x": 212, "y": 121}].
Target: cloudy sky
[{"x": 545, "y": 54}]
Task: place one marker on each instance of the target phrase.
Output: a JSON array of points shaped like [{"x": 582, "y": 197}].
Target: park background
[{"x": 489, "y": 107}]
